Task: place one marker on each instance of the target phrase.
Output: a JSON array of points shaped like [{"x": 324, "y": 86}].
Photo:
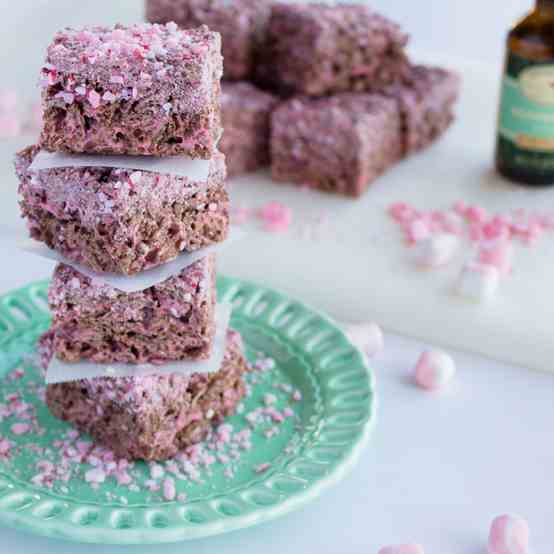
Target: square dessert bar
[
  {"x": 241, "y": 24},
  {"x": 173, "y": 320},
  {"x": 339, "y": 144},
  {"x": 426, "y": 98},
  {"x": 246, "y": 114},
  {"x": 139, "y": 90},
  {"x": 319, "y": 48},
  {"x": 121, "y": 220},
  {"x": 153, "y": 417}
]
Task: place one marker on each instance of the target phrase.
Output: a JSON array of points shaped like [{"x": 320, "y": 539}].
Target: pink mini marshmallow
[
  {"x": 434, "y": 370},
  {"x": 20, "y": 428},
  {"x": 509, "y": 535},
  {"x": 436, "y": 251},
  {"x": 478, "y": 282},
  {"x": 368, "y": 337},
  {"x": 402, "y": 549}
]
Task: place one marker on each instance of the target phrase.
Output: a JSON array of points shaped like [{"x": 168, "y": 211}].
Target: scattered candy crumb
[
  {"x": 276, "y": 217},
  {"x": 488, "y": 239},
  {"x": 509, "y": 535},
  {"x": 62, "y": 456},
  {"x": 434, "y": 370}
]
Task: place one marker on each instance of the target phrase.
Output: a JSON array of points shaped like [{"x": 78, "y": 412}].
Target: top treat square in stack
[
  {"x": 139, "y": 90},
  {"x": 318, "y": 49},
  {"x": 240, "y": 22}
]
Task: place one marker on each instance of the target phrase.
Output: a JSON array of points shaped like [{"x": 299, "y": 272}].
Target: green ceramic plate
[{"x": 307, "y": 453}]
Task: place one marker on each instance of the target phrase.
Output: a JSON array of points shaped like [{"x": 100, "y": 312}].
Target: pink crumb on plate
[
  {"x": 20, "y": 428},
  {"x": 402, "y": 549},
  {"x": 276, "y": 217},
  {"x": 169, "y": 489},
  {"x": 509, "y": 534},
  {"x": 434, "y": 370}
]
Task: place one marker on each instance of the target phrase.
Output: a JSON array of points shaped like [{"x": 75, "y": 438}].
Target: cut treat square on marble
[
  {"x": 323, "y": 48},
  {"x": 154, "y": 417},
  {"x": 138, "y": 90},
  {"x": 246, "y": 115},
  {"x": 171, "y": 321},
  {"x": 241, "y": 24},
  {"x": 339, "y": 144},
  {"x": 426, "y": 98},
  {"x": 121, "y": 220}
]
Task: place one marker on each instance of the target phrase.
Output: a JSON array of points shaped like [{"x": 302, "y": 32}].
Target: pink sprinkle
[
  {"x": 20, "y": 428},
  {"x": 108, "y": 96},
  {"x": 5, "y": 446},
  {"x": 169, "y": 488},
  {"x": 434, "y": 370},
  {"x": 476, "y": 214},
  {"x": 261, "y": 468},
  {"x": 94, "y": 99},
  {"x": 499, "y": 254},
  {"x": 297, "y": 396},
  {"x": 276, "y": 217},
  {"x": 402, "y": 549},
  {"x": 95, "y": 475},
  {"x": 402, "y": 212},
  {"x": 509, "y": 535},
  {"x": 287, "y": 412}
]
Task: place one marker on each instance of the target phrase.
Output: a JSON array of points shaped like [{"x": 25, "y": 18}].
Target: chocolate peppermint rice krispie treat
[
  {"x": 426, "y": 99},
  {"x": 318, "y": 49},
  {"x": 173, "y": 320},
  {"x": 120, "y": 220},
  {"x": 241, "y": 24},
  {"x": 138, "y": 90},
  {"x": 339, "y": 144},
  {"x": 154, "y": 417},
  {"x": 246, "y": 113}
]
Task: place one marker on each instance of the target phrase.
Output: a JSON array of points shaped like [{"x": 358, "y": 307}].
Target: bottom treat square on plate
[{"x": 153, "y": 417}]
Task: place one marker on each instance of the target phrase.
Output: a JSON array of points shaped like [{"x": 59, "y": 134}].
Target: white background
[{"x": 438, "y": 468}]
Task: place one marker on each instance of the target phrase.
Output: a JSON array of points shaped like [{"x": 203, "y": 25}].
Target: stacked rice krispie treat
[
  {"x": 110, "y": 93},
  {"x": 333, "y": 99}
]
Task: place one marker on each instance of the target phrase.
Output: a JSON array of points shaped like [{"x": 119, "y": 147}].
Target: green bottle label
[{"x": 526, "y": 118}]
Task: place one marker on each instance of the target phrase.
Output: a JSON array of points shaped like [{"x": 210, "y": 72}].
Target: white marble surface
[{"x": 439, "y": 467}]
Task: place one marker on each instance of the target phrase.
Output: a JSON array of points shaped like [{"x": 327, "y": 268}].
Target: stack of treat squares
[
  {"x": 325, "y": 93},
  {"x": 127, "y": 188}
]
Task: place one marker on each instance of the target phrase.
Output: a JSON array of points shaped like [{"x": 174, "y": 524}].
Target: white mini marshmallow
[
  {"x": 436, "y": 250},
  {"x": 368, "y": 337},
  {"x": 509, "y": 535},
  {"x": 434, "y": 370},
  {"x": 478, "y": 282}
]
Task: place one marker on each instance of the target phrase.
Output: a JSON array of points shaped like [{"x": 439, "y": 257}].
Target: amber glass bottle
[{"x": 525, "y": 146}]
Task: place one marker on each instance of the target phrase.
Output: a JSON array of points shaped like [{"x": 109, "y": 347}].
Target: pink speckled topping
[
  {"x": 241, "y": 24},
  {"x": 104, "y": 64},
  {"x": 321, "y": 48},
  {"x": 174, "y": 320},
  {"x": 72, "y": 291},
  {"x": 103, "y": 194}
]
